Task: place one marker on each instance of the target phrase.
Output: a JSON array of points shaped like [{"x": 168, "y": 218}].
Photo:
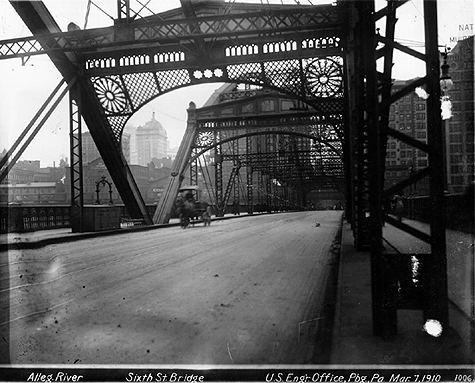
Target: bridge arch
[{"x": 120, "y": 97}]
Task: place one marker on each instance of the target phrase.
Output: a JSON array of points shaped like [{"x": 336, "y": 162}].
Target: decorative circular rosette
[
  {"x": 324, "y": 78},
  {"x": 110, "y": 94},
  {"x": 204, "y": 139}
]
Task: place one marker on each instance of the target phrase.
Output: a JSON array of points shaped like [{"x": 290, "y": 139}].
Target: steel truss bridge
[{"x": 323, "y": 58}]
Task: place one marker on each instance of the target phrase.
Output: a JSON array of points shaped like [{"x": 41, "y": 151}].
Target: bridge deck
[{"x": 248, "y": 290}]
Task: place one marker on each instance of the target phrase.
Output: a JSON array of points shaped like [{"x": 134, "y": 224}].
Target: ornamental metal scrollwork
[
  {"x": 110, "y": 94},
  {"x": 204, "y": 139},
  {"x": 324, "y": 78}
]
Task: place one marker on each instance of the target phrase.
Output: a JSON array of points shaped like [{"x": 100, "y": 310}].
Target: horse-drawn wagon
[{"x": 189, "y": 207}]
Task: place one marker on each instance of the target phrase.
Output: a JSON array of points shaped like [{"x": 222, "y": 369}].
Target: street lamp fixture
[{"x": 446, "y": 82}]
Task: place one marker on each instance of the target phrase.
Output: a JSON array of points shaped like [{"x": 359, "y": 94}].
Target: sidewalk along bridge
[{"x": 322, "y": 57}]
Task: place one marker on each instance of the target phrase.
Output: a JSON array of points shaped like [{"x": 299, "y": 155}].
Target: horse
[
  {"x": 207, "y": 216},
  {"x": 186, "y": 211}
]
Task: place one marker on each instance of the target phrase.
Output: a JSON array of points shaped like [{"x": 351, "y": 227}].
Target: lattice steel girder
[
  {"x": 155, "y": 31},
  {"x": 123, "y": 94},
  {"x": 311, "y": 126},
  {"x": 218, "y": 55},
  {"x": 40, "y": 22},
  {"x": 76, "y": 170},
  {"x": 306, "y": 157},
  {"x": 357, "y": 134},
  {"x": 315, "y": 154},
  {"x": 325, "y": 147},
  {"x": 269, "y": 164},
  {"x": 309, "y": 122}
]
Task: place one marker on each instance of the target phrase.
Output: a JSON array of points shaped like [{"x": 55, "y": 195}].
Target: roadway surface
[{"x": 253, "y": 290}]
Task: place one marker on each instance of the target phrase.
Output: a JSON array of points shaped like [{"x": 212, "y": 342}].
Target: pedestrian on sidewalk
[
  {"x": 399, "y": 208},
  {"x": 386, "y": 209}
]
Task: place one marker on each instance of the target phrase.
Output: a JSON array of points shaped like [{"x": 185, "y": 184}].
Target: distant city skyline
[{"x": 25, "y": 88}]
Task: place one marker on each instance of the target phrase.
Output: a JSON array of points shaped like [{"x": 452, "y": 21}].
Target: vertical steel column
[
  {"x": 359, "y": 134},
  {"x": 260, "y": 189},
  {"x": 249, "y": 176},
  {"x": 76, "y": 171},
  {"x": 437, "y": 307},
  {"x": 260, "y": 176},
  {"x": 194, "y": 167},
  {"x": 384, "y": 307},
  {"x": 269, "y": 149},
  {"x": 386, "y": 85},
  {"x": 287, "y": 202},
  {"x": 278, "y": 172},
  {"x": 123, "y": 9},
  {"x": 250, "y": 189},
  {"x": 237, "y": 166},
  {"x": 218, "y": 169},
  {"x": 384, "y": 285},
  {"x": 348, "y": 123},
  {"x": 269, "y": 199}
]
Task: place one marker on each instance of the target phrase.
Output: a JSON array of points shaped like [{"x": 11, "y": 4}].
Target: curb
[{"x": 334, "y": 340}]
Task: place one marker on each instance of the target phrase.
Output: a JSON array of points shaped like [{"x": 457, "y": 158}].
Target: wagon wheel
[
  {"x": 185, "y": 222},
  {"x": 324, "y": 78}
]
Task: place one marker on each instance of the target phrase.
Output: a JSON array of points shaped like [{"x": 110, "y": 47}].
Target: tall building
[
  {"x": 130, "y": 131},
  {"x": 89, "y": 149},
  {"x": 91, "y": 153},
  {"x": 460, "y": 128},
  {"x": 408, "y": 115},
  {"x": 150, "y": 141},
  {"x": 126, "y": 138}
]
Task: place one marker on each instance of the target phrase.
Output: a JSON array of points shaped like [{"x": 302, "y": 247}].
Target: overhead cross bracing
[{"x": 172, "y": 28}]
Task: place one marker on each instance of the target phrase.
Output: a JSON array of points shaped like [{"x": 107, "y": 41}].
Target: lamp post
[{"x": 446, "y": 84}]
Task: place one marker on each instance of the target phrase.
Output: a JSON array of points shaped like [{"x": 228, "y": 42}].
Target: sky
[{"x": 23, "y": 89}]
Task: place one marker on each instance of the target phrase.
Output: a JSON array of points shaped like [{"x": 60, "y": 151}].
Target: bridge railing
[
  {"x": 459, "y": 207},
  {"x": 23, "y": 218}
]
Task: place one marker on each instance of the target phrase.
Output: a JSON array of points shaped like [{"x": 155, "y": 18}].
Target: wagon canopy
[{"x": 191, "y": 187}]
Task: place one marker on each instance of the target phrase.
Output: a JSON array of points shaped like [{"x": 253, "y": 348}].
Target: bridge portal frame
[
  {"x": 294, "y": 146},
  {"x": 108, "y": 98}
]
